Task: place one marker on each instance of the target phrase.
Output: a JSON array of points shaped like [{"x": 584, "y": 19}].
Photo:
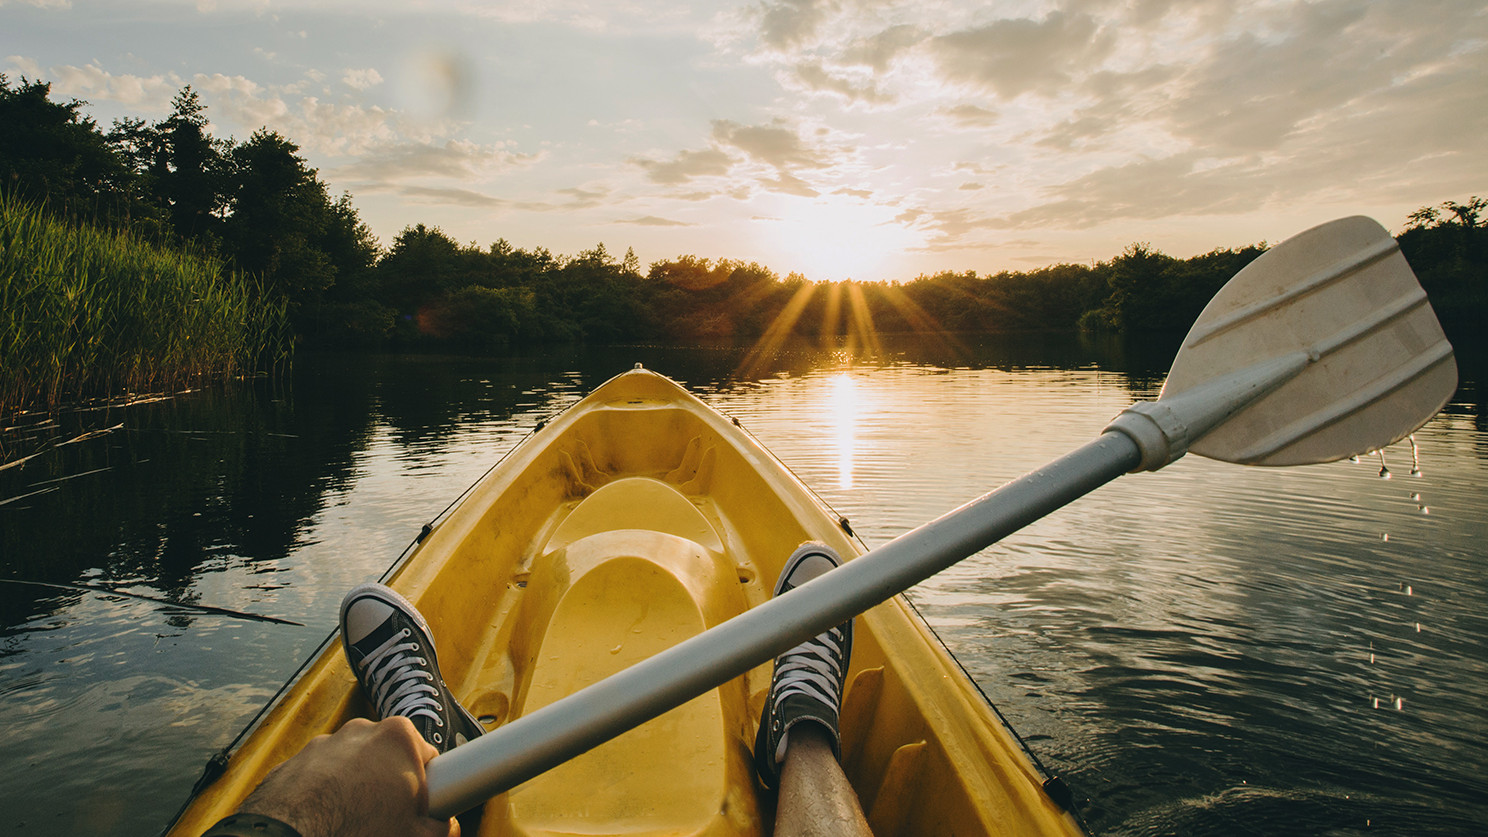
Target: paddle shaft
[{"x": 509, "y": 755}]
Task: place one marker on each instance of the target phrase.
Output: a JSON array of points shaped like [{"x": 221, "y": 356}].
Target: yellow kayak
[{"x": 635, "y": 520}]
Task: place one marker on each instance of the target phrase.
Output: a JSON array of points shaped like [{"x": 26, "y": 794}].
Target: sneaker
[
  {"x": 388, "y": 645},
  {"x": 807, "y": 686}
]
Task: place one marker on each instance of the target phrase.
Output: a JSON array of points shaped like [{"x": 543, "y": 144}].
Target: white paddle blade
[{"x": 1341, "y": 296}]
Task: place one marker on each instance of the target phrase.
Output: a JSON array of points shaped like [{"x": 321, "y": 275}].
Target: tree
[
  {"x": 188, "y": 169},
  {"x": 421, "y": 266},
  {"x": 50, "y": 152},
  {"x": 280, "y": 218},
  {"x": 1448, "y": 249}
]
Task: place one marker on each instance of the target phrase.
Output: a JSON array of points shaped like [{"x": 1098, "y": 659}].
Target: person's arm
[{"x": 366, "y": 779}]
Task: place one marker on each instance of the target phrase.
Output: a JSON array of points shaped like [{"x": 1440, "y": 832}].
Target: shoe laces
[
  {"x": 400, "y": 682},
  {"x": 813, "y": 668}
]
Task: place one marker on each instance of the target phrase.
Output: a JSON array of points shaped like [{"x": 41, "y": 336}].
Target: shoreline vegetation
[
  {"x": 152, "y": 255},
  {"x": 81, "y": 311}
]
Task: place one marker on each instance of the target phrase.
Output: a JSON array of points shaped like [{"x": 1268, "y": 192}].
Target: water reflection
[
  {"x": 843, "y": 408},
  {"x": 1194, "y": 649}
]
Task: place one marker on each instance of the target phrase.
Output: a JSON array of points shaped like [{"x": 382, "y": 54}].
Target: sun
[{"x": 836, "y": 237}]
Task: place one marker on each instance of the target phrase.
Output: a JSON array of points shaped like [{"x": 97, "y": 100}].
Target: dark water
[{"x": 1206, "y": 650}]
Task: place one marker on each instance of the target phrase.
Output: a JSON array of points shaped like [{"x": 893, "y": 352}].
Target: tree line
[{"x": 257, "y": 204}]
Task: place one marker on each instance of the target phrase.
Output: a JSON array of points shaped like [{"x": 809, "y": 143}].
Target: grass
[{"x": 89, "y": 313}]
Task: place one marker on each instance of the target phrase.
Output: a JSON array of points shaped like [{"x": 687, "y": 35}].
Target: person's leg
[
  {"x": 815, "y": 798},
  {"x": 392, "y": 654},
  {"x": 798, "y": 745}
]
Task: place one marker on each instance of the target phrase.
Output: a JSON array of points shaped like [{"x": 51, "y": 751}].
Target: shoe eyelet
[
  {"x": 407, "y": 632},
  {"x": 438, "y": 739},
  {"x": 415, "y": 646},
  {"x": 439, "y": 721}
]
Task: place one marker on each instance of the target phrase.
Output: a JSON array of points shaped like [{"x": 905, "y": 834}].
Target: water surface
[{"x": 1206, "y": 650}]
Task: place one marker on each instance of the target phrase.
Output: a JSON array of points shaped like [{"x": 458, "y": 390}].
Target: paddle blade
[{"x": 1341, "y": 296}]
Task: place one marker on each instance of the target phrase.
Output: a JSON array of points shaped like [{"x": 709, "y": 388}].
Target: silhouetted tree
[
  {"x": 1447, "y": 246},
  {"x": 280, "y": 220},
  {"x": 50, "y": 153},
  {"x": 188, "y": 169}
]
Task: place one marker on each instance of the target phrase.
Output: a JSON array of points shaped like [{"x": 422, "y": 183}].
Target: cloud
[
  {"x": 814, "y": 76},
  {"x": 584, "y": 198},
  {"x": 789, "y": 23},
  {"x": 879, "y": 51},
  {"x": 774, "y": 144},
  {"x": 453, "y": 159},
  {"x": 971, "y": 116},
  {"x": 685, "y": 166},
  {"x": 653, "y": 221},
  {"x": 1012, "y": 57},
  {"x": 93, "y": 83},
  {"x": 789, "y": 184},
  {"x": 361, "y": 79},
  {"x": 443, "y": 196},
  {"x": 55, "y": 5}
]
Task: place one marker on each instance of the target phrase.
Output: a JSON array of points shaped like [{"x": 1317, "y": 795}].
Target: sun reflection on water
[{"x": 845, "y": 405}]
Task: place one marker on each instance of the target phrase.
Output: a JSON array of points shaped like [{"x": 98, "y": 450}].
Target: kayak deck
[{"x": 633, "y": 521}]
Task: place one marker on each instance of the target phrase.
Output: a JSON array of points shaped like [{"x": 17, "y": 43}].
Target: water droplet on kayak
[{"x": 616, "y": 649}]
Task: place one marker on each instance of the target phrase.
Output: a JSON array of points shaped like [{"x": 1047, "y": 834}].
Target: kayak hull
[{"x": 634, "y": 520}]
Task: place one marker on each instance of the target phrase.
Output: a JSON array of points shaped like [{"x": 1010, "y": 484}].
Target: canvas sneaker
[
  {"x": 808, "y": 680},
  {"x": 391, "y": 652}
]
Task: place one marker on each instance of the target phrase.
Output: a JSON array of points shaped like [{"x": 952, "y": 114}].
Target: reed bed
[{"x": 89, "y": 313}]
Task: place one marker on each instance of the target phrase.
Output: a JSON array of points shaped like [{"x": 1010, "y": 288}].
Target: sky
[{"x": 864, "y": 139}]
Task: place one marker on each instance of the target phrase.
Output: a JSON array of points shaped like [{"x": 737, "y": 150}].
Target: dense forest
[{"x": 259, "y": 207}]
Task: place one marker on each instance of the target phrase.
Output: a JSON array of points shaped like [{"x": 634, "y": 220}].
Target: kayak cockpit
[{"x": 599, "y": 599}]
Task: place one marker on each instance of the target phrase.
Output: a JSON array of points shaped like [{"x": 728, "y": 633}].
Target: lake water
[{"x": 1206, "y": 650}]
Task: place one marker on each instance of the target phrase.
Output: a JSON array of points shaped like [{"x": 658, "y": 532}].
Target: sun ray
[
  {"x": 862, "y": 336},
  {"x": 923, "y": 324},
  {"x": 769, "y": 342},
  {"x": 831, "y": 315}
]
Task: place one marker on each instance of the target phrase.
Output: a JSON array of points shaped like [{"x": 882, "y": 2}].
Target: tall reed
[{"x": 86, "y": 312}]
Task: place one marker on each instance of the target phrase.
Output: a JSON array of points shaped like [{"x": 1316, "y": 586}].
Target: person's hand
[{"x": 367, "y": 779}]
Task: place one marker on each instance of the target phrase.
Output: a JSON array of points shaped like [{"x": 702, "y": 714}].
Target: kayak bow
[{"x": 638, "y": 518}]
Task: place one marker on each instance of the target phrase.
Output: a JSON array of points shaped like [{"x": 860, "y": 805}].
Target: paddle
[{"x": 1324, "y": 347}]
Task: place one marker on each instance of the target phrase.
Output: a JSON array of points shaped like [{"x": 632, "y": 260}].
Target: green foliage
[
  {"x": 86, "y": 313},
  {"x": 279, "y": 226},
  {"x": 50, "y": 152},
  {"x": 1447, "y": 246}
]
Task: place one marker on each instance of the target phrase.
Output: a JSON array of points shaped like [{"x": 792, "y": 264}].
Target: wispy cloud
[
  {"x": 362, "y": 79},
  {"x": 653, "y": 221},
  {"x": 454, "y": 159},
  {"x": 1011, "y": 57},
  {"x": 685, "y": 165}
]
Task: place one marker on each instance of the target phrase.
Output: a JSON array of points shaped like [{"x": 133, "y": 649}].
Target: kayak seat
[
  {"x": 634, "y": 569},
  {"x": 636, "y": 503}
]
